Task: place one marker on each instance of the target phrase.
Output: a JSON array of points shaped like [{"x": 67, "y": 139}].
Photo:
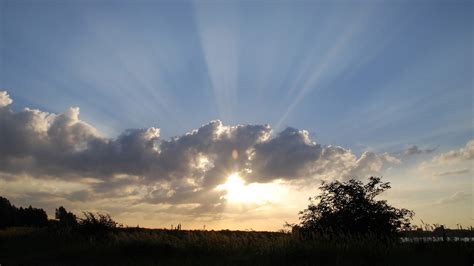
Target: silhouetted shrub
[
  {"x": 351, "y": 208},
  {"x": 97, "y": 223}
]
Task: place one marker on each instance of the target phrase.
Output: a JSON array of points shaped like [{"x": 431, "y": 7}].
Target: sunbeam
[
  {"x": 219, "y": 35},
  {"x": 331, "y": 64}
]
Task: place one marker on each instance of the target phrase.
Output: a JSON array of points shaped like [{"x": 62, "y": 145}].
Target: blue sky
[
  {"x": 359, "y": 74},
  {"x": 366, "y": 75}
]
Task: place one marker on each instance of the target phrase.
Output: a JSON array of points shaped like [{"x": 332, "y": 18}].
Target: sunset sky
[{"x": 229, "y": 114}]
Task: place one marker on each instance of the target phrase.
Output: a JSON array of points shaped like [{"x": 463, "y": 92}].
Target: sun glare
[{"x": 239, "y": 192}]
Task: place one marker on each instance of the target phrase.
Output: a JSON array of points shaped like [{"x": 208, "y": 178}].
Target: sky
[{"x": 229, "y": 114}]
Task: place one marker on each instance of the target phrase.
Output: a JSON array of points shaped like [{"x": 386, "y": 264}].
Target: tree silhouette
[
  {"x": 65, "y": 218},
  {"x": 32, "y": 217},
  {"x": 7, "y": 213},
  {"x": 351, "y": 208}
]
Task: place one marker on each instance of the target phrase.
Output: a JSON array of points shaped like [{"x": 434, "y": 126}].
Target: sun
[{"x": 237, "y": 191}]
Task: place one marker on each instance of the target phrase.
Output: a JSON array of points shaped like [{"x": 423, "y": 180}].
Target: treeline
[{"x": 10, "y": 215}]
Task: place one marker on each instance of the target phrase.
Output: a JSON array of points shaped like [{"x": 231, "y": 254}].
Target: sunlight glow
[{"x": 239, "y": 192}]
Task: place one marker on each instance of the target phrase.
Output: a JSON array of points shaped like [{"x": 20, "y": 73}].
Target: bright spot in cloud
[
  {"x": 235, "y": 154},
  {"x": 239, "y": 192}
]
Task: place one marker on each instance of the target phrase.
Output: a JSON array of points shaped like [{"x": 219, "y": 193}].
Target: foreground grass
[{"x": 130, "y": 246}]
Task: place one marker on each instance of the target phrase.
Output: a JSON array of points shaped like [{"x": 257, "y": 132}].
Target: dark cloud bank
[{"x": 185, "y": 169}]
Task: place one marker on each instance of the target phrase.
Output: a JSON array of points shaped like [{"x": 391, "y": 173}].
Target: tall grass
[{"x": 132, "y": 246}]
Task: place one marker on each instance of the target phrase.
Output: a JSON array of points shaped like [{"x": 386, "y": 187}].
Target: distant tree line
[{"x": 10, "y": 215}]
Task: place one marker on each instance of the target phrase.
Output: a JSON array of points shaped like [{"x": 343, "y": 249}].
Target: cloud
[
  {"x": 42, "y": 143},
  {"x": 455, "y": 172},
  {"x": 4, "y": 99},
  {"x": 452, "y": 163},
  {"x": 456, "y": 197},
  {"x": 454, "y": 156},
  {"x": 414, "y": 150},
  {"x": 292, "y": 154},
  {"x": 182, "y": 170}
]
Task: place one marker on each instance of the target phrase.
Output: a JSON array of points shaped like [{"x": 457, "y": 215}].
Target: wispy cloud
[
  {"x": 454, "y": 173},
  {"x": 413, "y": 150},
  {"x": 456, "y": 162},
  {"x": 456, "y": 197}
]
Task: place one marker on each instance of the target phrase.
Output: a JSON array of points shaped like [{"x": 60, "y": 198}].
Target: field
[{"x": 132, "y": 246}]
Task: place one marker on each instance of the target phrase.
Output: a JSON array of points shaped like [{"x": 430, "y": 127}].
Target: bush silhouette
[
  {"x": 351, "y": 208},
  {"x": 97, "y": 223}
]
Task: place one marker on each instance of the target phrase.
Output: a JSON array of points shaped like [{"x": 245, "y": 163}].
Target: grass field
[{"x": 132, "y": 246}]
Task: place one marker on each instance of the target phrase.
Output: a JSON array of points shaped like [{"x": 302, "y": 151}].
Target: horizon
[{"x": 230, "y": 115}]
